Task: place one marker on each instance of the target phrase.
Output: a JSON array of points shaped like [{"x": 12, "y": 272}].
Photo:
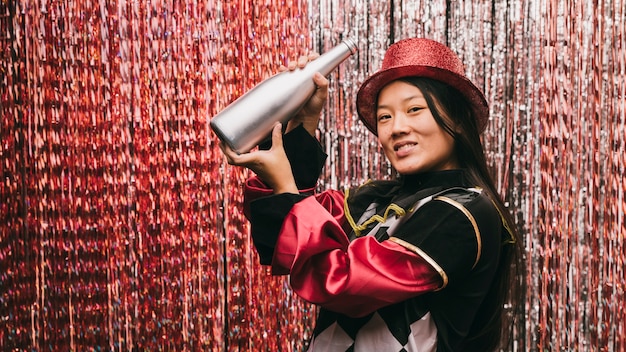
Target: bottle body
[{"x": 249, "y": 120}]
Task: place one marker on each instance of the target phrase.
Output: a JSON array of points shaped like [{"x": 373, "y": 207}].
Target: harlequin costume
[
  {"x": 413, "y": 290},
  {"x": 402, "y": 265}
]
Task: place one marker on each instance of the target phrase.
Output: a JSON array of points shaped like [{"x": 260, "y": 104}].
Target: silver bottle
[{"x": 249, "y": 120}]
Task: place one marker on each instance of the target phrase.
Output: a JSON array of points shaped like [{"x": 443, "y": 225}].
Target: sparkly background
[{"x": 120, "y": 223}]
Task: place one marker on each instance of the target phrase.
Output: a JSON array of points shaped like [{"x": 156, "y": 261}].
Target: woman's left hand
[
  {"x": 272, "y": 166},
  {"x": 310, "y": 113}
]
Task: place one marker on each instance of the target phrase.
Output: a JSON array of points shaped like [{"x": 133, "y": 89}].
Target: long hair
[{"x": 493, "y": 325}]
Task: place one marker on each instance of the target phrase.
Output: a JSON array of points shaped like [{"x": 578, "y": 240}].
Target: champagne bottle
[{"x": 249, "y": 120}]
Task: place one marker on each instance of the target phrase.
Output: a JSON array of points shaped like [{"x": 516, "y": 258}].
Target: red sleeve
[
  {"x": 354, "y": 278},
  {"x": 254, "y": 188}
]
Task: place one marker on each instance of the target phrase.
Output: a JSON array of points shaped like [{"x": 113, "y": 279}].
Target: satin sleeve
[
  {"x": 265, "y": 210},
  {"x": 267, "y": 215},
  {"x": 305, "y": 155},
  {"x": 353, "y": 278},
  {"x": 306, "y": 159}
]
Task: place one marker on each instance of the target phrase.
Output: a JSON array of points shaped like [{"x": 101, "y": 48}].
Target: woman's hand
[
  {"x": 272, "y": 166},
  {"x": 309, "y": 115}
]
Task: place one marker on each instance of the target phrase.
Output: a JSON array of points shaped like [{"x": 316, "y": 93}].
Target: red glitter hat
[{"x": 419, "y": 57}]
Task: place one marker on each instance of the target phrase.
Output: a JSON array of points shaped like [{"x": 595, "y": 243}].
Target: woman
[{"x": 420, "y": 263}]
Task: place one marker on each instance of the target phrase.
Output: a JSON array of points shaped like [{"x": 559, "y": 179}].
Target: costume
[{"x": 394, "y": 265}]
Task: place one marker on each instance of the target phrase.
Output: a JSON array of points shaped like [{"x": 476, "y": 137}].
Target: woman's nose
[{"x": 399, "y": 124}]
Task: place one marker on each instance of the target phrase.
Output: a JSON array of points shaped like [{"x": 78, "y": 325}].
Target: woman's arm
[{"x": 354, "y": 278}]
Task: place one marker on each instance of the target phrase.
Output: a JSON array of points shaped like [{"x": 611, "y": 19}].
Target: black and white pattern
[{"x": 377, "y": 333}]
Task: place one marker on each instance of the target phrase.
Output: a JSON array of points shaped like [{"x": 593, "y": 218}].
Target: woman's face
[{"x": 408, "y": 133}]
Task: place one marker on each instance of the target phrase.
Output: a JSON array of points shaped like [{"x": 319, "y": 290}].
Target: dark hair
[{"x": 492, "y": 327}]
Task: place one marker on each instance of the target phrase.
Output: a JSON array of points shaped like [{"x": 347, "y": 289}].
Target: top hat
[{"x": 419, "y": 57}]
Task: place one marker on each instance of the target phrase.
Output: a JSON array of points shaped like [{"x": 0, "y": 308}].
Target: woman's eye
[
  {"x": 383, "y": 117},
  {"x": 415, "y": 109}
]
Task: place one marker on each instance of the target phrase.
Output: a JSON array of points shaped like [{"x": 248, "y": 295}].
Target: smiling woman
[
  {"x": 120, "y": 222},
  {"x": 420, "y": 263},
  {"x": 408, "y": 133}
]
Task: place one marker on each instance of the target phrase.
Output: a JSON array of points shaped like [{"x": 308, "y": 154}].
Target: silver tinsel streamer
[
  {"x": 121, "y": 225},
  {"x": 554, "y": 76}
]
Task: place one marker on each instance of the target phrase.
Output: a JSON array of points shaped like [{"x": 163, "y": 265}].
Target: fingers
[
  {"x": 249, "y": 158},
  {"x": 301, "y": 62},
  {"x": 313, "y": 56},
  {"x": 305, "y": 59},
  {"x": 321, "y": 83},
  {"x": 228, "y": 152},
  {"x": 277, "y": 136}
]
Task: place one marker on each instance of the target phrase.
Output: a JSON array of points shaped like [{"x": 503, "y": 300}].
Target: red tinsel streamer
[
  {"x": 116, "y": 234},
  {"x": 121, "y": 225}
]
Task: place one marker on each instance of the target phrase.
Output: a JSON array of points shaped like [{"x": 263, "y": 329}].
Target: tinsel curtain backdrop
[{"x": 120, "y": 222}]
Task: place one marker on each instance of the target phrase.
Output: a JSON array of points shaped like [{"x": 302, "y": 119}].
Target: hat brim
[{"x": 367, "y": 96}]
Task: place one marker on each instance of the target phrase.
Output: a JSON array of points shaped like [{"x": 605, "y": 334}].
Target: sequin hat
[{"x": 419, "y": 57}]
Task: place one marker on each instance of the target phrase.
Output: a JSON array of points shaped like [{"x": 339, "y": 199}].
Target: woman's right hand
[
  {"x": 272, "y": 165},
  {"x": 310, "y": 113}
]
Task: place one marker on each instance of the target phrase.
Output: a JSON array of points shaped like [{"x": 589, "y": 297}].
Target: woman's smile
[
  {"x": 404, "y": 148},
  {"x": 411, "y": 138}
]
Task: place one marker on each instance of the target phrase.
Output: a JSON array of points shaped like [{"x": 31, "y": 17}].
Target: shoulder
[
  {"x": 455, "y": 228},
  {"x": 479, "y": 210},
  {"x": 462, "y": 195},
  {"x": 474, "y": 205},
  {"x": 472, "y": 202}
]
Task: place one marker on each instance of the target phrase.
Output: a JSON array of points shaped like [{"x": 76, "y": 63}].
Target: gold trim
[
  {"x": 507, "y": 227},
  {"x": 471, "y": 219},
  {"x": 381, "y": 219},
  {"x": 346, "y": 211},
  {"x": 426, "y": 257}
]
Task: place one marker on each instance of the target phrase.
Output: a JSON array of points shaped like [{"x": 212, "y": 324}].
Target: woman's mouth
[{"x": 404, "y": 148}]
